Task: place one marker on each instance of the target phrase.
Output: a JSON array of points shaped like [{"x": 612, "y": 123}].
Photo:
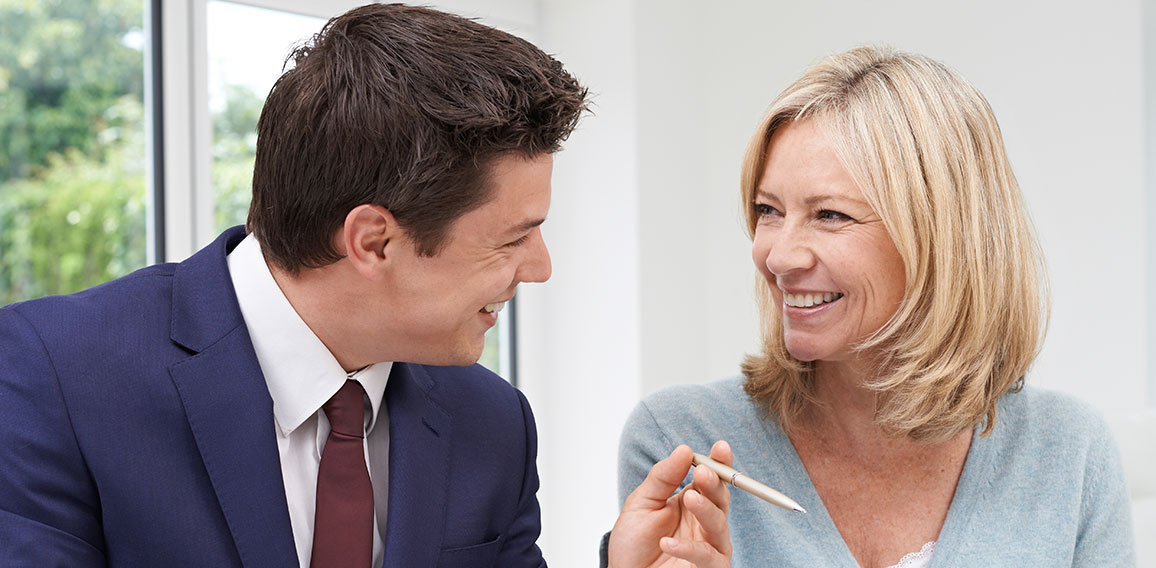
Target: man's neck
[{"x": 327, "y": 307}]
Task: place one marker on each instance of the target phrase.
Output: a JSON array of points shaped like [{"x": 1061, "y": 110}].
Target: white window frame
[{"x": 188, "y": 198}]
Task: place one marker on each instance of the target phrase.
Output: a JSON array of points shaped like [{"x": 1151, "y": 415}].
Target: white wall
[
  {"x": 579, "y": 333},
  {"x": 1149, "y": 11},
  {"x": 652, "y": 179}
]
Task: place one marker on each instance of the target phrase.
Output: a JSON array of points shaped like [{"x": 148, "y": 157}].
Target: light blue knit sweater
[{"x": 1044, "y": 489}]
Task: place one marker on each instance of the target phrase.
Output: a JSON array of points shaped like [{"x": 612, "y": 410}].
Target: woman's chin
[
  {"x": 808, "y": 350},
  {"x": 803, "y": 354}
]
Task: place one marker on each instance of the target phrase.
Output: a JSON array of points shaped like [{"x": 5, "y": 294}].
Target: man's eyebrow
[{"x": 526, "y": 226}]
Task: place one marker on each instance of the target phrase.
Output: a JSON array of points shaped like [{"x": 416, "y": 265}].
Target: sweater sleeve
[
  {"x": 643, "y": 444},
  {"x": 1105, "y": 531}
]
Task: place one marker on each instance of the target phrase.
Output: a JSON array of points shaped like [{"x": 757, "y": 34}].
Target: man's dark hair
[{"x": 403, "y": 107}]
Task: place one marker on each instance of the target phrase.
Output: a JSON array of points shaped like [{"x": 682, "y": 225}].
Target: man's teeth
[
  {"x": 494, "y": 308},
  {"x": 809, "y": 300}
]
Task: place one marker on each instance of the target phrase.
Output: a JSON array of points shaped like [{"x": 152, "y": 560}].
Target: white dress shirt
[{"x": 302, "y": 375}]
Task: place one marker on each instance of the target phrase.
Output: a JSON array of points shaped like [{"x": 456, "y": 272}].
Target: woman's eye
[
  {"x": 829, "y": 215},
  {"x": 765, "y": 210}
]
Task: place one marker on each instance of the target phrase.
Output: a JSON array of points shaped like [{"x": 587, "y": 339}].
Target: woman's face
[{"x": 832, "y": 267}]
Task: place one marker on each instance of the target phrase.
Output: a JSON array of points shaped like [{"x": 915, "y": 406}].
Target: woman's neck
[
  {"x": 845, "y": 411},
  {"x": 843, "y": 418}
]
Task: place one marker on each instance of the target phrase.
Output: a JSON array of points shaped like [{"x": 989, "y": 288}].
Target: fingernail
[
  {"x": 670, "y": 542},
  {"x": 698, "y": 498}
]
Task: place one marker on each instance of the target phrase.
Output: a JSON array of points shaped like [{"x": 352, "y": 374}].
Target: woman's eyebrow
[{"x": 817, "y": 199}]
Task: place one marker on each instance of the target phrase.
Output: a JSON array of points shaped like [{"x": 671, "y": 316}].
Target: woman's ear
[{"x": 365, "y": 237}]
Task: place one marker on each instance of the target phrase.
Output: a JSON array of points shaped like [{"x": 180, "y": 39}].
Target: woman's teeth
[
  {"x": 809, "y": 300},
  {"x": 493, "y": 308}
]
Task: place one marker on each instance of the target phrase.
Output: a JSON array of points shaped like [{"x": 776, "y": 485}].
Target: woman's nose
[{"x": 788, "y": 250}]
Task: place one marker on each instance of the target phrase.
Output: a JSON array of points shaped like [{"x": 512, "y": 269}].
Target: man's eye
[{"x": 519, "y": 242}]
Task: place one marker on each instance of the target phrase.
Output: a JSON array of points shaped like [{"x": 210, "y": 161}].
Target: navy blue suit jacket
[{"x": 136, "y": 429}]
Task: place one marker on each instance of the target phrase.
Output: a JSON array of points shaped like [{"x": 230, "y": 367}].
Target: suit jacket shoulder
[
  {"x": 473, "y": 488},
  {"x": 138, "y": 430}
]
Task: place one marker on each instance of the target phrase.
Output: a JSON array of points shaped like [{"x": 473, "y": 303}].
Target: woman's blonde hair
[{"x": 924, "y": 148}]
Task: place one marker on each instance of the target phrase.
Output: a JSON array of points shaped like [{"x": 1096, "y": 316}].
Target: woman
[{"x": 902, "y": 306}]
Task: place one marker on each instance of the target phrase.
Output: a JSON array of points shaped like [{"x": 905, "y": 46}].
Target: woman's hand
[{"x": 689, "y": 528}]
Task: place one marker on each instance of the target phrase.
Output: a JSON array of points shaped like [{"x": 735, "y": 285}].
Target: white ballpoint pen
[{"x": 738, "y": 479}]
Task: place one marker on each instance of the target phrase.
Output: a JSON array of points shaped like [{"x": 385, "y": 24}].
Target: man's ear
[{"x": 365, "y": 239}]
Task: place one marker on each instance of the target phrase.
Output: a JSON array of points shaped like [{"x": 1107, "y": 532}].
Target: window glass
[
  {"x": 247, "y": 48},
  {"x": 72, "y": 153}
]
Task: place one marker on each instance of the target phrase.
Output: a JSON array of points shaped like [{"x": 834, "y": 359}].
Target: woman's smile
[{"x": 811, "y": 299}]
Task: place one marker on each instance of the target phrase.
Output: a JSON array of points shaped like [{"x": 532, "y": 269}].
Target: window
[
  {"x": 247, "y": 46},
  {"x": 73, "y": 207}
]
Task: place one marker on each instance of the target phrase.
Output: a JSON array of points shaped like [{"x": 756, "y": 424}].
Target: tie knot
[{"x": 346, "y": 410}]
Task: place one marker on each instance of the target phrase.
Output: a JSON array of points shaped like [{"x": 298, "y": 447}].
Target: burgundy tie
[{"x": 343, "y": 527}]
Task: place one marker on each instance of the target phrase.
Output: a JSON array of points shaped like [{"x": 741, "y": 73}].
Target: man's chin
[
  {"x": 461, "y": 352},
  {"x": 463, "y": 357}
]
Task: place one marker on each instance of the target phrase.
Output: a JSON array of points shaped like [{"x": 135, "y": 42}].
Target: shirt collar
[
  {"x": 299, "y": 370},
  {"x": 373, "y": 379}
]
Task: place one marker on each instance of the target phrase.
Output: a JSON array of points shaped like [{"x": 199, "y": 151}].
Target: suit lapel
[
  {"x": 419, "y": 454},
  {"x": 228, "y": 407}
]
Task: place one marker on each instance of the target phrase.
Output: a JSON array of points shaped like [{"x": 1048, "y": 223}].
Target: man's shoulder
[
  {"x": 485, "y": 414},
  {"x": 134, "y": 311},
  {"x": 472, "y": 388},
  {"x": 107, "y": 302}
]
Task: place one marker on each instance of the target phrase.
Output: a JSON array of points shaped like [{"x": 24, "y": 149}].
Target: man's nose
[{"x": 536, "y": 267}]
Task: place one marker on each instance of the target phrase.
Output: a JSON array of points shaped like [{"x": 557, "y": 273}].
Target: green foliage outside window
[
  {"x": 72, "y": 211},
  {"x": 234, "y": 150},
  {"x": 63, "y": 65},
  {"x": 76, "y": 222},
  {"x": 72, "y": 155}
]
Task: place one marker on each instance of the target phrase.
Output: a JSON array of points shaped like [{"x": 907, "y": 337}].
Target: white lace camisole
[{"x": 921, "y": 559}]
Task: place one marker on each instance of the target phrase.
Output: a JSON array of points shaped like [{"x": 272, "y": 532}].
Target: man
[{"x": 299, "y": 391}]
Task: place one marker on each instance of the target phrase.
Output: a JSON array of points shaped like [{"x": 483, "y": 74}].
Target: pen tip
[{"x": 801, "y": 510}]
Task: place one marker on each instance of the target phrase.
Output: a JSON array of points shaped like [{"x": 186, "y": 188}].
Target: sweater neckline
[{"x": 976, "y": 466}]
